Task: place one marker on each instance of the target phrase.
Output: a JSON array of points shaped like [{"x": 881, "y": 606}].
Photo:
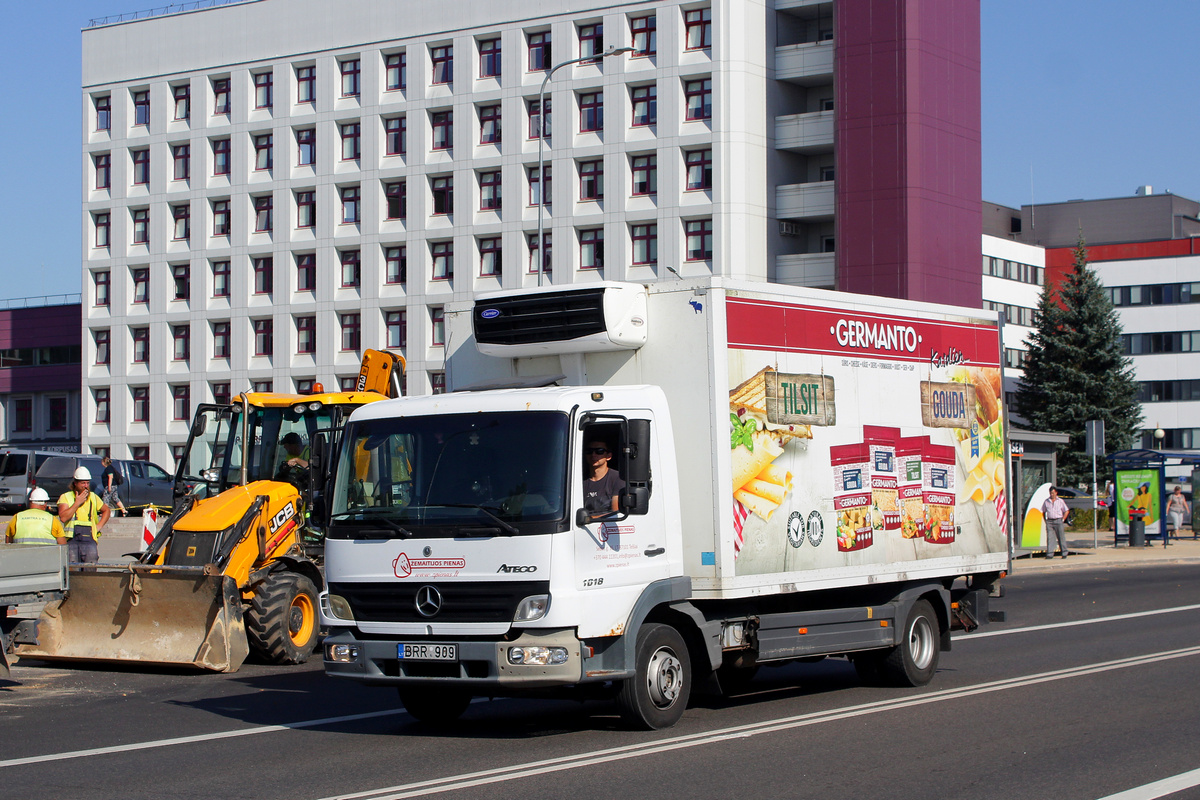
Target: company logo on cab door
[
  {"x": 767, "y": 325},
  {"x": 404, "y": 566}
]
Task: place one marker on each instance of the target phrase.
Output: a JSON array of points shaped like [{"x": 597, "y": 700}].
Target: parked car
[
  {"x": 17, "y": 470},
  {"x": 144, "y": 484}
]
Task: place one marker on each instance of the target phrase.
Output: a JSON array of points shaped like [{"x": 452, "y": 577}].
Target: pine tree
[{"x": 1075, "y": 371}]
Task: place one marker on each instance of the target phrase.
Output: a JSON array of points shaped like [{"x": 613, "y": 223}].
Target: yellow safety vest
[
  {"x": 34, "y": 526},
  {"x": 88, "y": 513}
]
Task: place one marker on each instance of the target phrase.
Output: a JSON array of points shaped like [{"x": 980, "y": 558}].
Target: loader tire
[{"x": 281, "y": 622}]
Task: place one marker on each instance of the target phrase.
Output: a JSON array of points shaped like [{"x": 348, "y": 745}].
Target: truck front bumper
[{"x": 481, "y": 663}]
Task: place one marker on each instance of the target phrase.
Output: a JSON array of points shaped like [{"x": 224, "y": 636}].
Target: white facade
[{"x": 1013, "y": 277}]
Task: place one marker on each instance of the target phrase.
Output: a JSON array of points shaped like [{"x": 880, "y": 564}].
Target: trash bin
[{"x": 1137, "y": 527}]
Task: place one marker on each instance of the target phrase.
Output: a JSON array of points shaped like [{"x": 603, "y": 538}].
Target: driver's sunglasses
[{"x": 596, "y": 451}]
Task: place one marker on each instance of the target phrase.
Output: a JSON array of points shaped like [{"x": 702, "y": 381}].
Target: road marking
[
  {"x": 1161, "y": 788},
  {"x": 965, "y": 637},
  {"x": 534, "y": 768}
]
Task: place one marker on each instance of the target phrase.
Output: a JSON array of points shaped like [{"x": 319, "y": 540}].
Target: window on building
[
  {"x": 699, "y": 239},
  {"x": 220, "y": 212},
  {"x": 351, "y": 208},
  {"x": 22, "y": 414},
  {"x": 183, "y": 101},
  {"x": 141, "y": 107},
  {"x": 103, "y": 105},
  {"x": 697, "y": 25},
  {"x": 263, "y": 89},
  {"x": 181, "y": 275},
  {"x": 442, "y": 60},
  {"x": 531, "y": 241},
  {"x": 306, "y": 272},
  {"x": 101, "y": 339},
  {"x": 263, "y": 211},
  {"x": 645, "y": 175},
  {"x": 220, "y": 393},
  {"x": 437, "y": 382},
  {"x": 306, "y": 209},
  {"x": 182, "y": 215},
  {"x": 645, "y": 105},
  {"x": 101, "y": 281},
  {"x": 306, "y": 84},
  {"x": 141, "y": 167},
  {"x": 181, "y": 402},
  {"x": 306, "y": 146},
  {"x": 351, "y": 268},
  {"x": 305, "y": 385},
  {"x": 395, "y": 135},
  {"x": 351, "y": 141},
  {"x": 591, "y": 41},
  {"x": 351, "y": 331},
  {"x": 443, "y": 194},
  {"x": 220, "y": 273},
  {"x": 306, "y": 334},
  {"x": 263, "y": 337},
  {"x": 698, "y": 95},
  {"x": 141, "y": 345},
  {"x": 56, "y": 413},
  {"x": 535, "y": 118},
  {"x": 264, "y": 274},
  {"x": 103, "y": 228},
  {"x": 220, "y": 87},
  {"x": 262, "y": 386},
  {"x": 141, "y": 225},
  {"x": 181, "y": 341},
  {"x": 539, "y": 51},
  {"x": 489, "y": 257},
  {"x": 591, "y": 180},
  {"x": 102, "y": 164},
  {"x": 220, "y": 333},
  {"x": 396, "y": 324},
  {"x": 699, "y": 169},
  {"x": 489, "y": 58},
  {"x": 396, "y": 195},
  {"x": 489, "y": 124},
  {"x": 221, "y": 160},
  {"x": 645, "y": 244},
  {"x": 395, "y": 264},
  {"x": 101, "y": 399},
  {"x": 489, "y": 190},
  {"x": 437, "y": 318},
  {"x": 350, "y": 77},
  {"x": 263, "y": 156},
  {"x": 443, "y": 260},
  {"x": 141, "y": 403},
  {"x": 535, "y": 186},
  {"x": 644, "y": 35},
  {"x": 591, "y": 111},
  {"x": 395, "y": 71},
  {"x": 181, "y": 156},
  {"x": 827, "y": 172},
  {"x": 591, "y": 248},
  {"x": 443, "y": 129},
  {"x": 141, "y": 284}
]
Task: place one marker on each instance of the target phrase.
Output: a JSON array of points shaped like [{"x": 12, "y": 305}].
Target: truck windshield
[{"x": 452, "y": 474}]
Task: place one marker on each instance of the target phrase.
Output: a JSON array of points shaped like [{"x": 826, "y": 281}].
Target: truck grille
[
  {"x": 461, "y": 602},
  {"x": 533, "y": 319}
]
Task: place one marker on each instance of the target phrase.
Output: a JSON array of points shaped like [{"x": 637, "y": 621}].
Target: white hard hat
[
  {"x": 82, "y": 474},
  {"x": 39, "y": 496}
]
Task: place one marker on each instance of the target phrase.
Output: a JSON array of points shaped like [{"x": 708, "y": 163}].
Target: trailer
[
  {"x": 30, "y": 577},
  {"x": 802, "y": 474}
]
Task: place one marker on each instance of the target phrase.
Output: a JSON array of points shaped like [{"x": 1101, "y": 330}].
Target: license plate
[{"x": 427, "y": 652}]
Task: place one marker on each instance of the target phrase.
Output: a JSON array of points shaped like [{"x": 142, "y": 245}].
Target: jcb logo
[
  {"x": 517, "y": 568},
  {"x": 285, "y": 513}
]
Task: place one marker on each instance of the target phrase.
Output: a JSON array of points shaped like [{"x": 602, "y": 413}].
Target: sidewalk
[{"x": 1082, "y": 554}]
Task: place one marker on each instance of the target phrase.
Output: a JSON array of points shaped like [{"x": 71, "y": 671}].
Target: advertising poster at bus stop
[{"x": 1139, "y": 489}]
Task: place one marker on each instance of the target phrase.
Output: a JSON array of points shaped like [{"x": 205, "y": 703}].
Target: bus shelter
[{"x": 1140, "y": 480}]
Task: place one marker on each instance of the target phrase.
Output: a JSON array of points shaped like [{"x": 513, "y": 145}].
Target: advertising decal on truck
[{"x": 828, "y": 390}]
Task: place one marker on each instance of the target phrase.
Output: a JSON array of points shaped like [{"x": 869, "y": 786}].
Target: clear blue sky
[{"x": 1080, "y": 100}]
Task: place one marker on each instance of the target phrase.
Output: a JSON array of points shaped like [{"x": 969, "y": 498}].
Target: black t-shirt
[
  {"x": 598, "y": 495},
  {"x": 109, "y": 470}
]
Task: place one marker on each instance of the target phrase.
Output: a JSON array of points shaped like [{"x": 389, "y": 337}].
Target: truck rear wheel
[
  {"x": 434, "y": 706},
  {"x": 915, "y": 659},
  {"x": 657, "y": 695},
  {"x": 281, "y": 622}
]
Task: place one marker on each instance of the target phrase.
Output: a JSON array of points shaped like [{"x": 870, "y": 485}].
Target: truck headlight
[
  {"x": 537, "y": 656},
  {"x": 339, "y": 608},
  {"x": 345, "y": 653},
  {"x": 532, "y": 608}
]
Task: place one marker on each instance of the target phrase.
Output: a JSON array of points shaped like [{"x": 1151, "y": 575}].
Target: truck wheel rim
[
  {"x": 664, "y": 678},
  {"x": 920, "y": 643},
  {"x": 300, "y": 619}
]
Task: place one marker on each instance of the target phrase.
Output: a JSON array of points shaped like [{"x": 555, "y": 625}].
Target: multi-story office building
[
  {"x": 273, "y": 185},
  {"x": 39, "y": 373}
]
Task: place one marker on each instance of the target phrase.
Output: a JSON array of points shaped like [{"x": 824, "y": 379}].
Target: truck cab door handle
[{"x": 658, "y": 551}]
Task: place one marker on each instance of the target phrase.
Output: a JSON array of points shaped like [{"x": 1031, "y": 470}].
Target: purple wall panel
[{"x": 45, "y": 326}]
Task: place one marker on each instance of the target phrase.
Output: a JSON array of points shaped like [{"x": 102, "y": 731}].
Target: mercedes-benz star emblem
[{"x": 429, "y": 601}]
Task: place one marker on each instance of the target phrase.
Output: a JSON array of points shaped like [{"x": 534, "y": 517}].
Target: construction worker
[
  {"x": 84, "y": 515},
  {"x": 35, "y": 525}
]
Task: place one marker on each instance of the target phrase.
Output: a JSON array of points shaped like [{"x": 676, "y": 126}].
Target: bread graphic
[{"x": 758, "y": 483}]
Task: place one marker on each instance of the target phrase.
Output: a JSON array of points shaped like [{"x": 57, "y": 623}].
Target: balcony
[
  {"x": 805, "y": 133},
  {"x": 812, "y": 202},
  {"x": 808, "y": 64},
  {"x": 815, "y": 270}
]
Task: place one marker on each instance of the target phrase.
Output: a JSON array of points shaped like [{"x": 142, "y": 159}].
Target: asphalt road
[{"x": 1090, "y": 689}]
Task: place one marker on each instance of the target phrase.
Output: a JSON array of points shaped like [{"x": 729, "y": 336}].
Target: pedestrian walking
[
  {"x": 111, "y": 481},
  {"x": 35, "y": 525},
  {"x": 1177, "y": 508},
  {"x": 84, "y": 516},
  {"x": 1054, "y": 510}
]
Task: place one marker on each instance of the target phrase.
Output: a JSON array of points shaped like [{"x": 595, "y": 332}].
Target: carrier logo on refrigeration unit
[{"x": 490, "y": 313}]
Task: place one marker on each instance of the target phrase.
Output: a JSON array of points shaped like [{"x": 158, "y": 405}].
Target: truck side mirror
[{"x": 635, "y": 497}]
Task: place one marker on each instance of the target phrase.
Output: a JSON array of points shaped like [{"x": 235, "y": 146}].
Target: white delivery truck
[{"x": 801, "y": 474}]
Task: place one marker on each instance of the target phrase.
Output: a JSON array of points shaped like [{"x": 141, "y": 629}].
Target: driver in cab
[{"x": 294, "y": 462}]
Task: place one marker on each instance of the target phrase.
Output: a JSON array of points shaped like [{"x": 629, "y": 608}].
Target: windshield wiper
[
  {"x": 505, "y": 525},
  {"x": 405, "y": 532}
]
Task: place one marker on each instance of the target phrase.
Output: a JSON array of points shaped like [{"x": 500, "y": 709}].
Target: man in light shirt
[{"x": 1054, "y": 511}]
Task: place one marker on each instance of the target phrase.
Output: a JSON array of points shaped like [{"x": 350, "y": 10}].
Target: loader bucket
[{"x": 160, "y": 617}]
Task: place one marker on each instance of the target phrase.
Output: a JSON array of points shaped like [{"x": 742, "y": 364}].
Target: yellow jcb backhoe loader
[{"x": 237, "y": 567}]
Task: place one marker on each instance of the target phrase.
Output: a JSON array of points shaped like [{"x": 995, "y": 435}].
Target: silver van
[{"x": 17, "y": 470}]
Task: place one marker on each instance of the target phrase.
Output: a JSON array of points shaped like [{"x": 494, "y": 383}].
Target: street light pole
[{"x": 541, "y": 253}]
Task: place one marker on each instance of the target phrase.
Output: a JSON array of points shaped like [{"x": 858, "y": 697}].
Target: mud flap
[{"x": 145, "y": 617}]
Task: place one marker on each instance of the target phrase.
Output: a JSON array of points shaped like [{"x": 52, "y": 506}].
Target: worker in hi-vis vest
[{"x": 35, "y": 525}]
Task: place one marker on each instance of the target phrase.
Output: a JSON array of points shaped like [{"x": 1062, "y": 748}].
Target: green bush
[{"x": 1081, "y": 519}]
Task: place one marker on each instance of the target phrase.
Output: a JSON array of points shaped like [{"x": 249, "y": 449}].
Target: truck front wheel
[
  {"x": 657, "y": 695},
  {"x": 915, "y": 659},
  {"x": 432, "y": 705}
]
